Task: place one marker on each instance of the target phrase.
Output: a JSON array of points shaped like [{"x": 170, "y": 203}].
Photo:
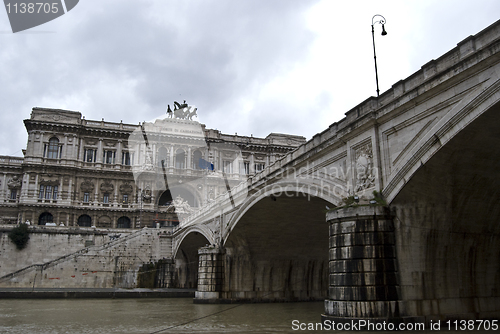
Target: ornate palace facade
[{"x": 78, "y": 172}]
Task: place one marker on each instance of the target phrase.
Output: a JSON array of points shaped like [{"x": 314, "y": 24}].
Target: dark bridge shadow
[
  {"x": 448, "y": 219},
  {"x": 278, "y": 251}
]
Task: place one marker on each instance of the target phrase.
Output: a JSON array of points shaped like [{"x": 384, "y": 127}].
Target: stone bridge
[{"x": 409, "y": 184}]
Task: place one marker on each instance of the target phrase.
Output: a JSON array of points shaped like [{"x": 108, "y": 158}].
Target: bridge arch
[
  {"x": 277, "y": 245},
  {"x": 471, "y": 106},
  {"x": 447, "y": 216},
  {"x": 310, "y": 187},
  {"x": 185, "y": 253}
]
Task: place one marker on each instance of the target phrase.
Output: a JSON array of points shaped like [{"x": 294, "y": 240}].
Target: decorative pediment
[
  {"x": 107, "y": 187},
  {"x": 91, "y": 141},
  {"x": 259, "y": 157},
  {"x": 87, "y": 186},
  {"x": 126, "y": 188},
  {"x": 49, "y": 182},
  {"x": 110, "y": 143}
]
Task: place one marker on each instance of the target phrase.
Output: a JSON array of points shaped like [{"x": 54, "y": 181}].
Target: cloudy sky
[{"x": 251, "y": 67}]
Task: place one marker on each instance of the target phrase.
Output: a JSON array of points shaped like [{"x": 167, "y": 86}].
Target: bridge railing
[{"x": 213, "y": 208}]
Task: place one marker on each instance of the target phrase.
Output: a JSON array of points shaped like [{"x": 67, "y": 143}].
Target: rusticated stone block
[
  {"x": 362, "y": 239},
  {"x": 362, "y": 265},
  {"x": 363, "y": 293},
  {"x": 362, "y": 252},
  {"x": 363, "y": 279}
]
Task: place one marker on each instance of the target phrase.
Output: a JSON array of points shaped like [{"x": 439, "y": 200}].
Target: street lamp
[{"x": 382, "y": 21}]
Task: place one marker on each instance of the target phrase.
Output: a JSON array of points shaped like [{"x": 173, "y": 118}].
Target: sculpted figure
[
  {"x": 192, "y": 114},
  {"x": 170, "y": 112}
]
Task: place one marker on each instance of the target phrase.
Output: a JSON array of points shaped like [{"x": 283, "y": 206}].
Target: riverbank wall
[{"x": 80, "y": 257}]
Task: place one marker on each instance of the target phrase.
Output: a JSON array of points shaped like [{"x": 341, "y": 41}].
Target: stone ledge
[{"x": 358, "y": 212}]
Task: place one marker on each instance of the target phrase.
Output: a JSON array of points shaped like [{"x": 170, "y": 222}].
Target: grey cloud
[{"x": 211, "y": 52}]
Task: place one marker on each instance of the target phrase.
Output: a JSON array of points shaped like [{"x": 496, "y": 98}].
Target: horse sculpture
[
  {"x": 192, "y": 114},
  {"x": 182, "y": 111}
]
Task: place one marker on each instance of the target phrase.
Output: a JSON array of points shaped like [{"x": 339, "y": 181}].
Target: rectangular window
[
  {"x": 246, "y": 168},
  {"x": 109, "y": 157},
  {"x": 105, "y": 198},
  {"x": 125, "y": 199},
  {"x": 89, "y": 155},
  {"x": 228, "y": 167},
  {"x": 126, "y": 158},
  {"x": 259, "y": 167},
  {"x": 48, "y": 192},
  {"x": 85, "y": 197},
  {"x": 54, "y": 193},
  {"x": 40, "y": 194},
  {"x": 13, "y": 194}
]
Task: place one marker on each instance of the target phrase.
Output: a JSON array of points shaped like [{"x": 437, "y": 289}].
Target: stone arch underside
[
  {"x": 278, "y": 251},
  {"x": 447, "y": 225},
  {"x": 186, "y": 259}
]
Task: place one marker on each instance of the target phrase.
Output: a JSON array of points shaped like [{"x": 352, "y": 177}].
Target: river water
[
  {"x": 112, "y": 316},
  {"x": 165, "y": 315}
]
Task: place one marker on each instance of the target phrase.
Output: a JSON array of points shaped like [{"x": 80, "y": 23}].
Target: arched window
[
  {"x": 84, "y": 221},
  {"x": 45, "y": 218},
  {"x": 53, "y": 150},
  {"x": 163, "y": 156},
  {"x": 180, "y": 158},
  {"x": 165, "y": 198},
  {"x": 196, "y": 159},
  {"x": 123, "y": 222}
]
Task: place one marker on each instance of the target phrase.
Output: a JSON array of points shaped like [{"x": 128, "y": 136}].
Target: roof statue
[{"x": 182, "y": 111}]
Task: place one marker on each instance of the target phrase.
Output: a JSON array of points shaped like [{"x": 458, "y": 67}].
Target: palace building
[{"x": 78, "y": 172}]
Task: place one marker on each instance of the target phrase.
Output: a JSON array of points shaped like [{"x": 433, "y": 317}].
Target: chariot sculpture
[{"x": 182, "y": 111}]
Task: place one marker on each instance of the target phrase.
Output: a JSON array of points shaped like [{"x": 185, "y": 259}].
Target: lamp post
[{"x": 382, "y": 21}]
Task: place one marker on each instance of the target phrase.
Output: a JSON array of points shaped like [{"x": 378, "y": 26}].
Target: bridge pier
[
  {"x": 210, "y": 275},
  {"x": 364, "y": 282}
]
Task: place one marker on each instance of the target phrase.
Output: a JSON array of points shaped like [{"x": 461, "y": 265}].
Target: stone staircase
[{"x": 113, "y": 264}]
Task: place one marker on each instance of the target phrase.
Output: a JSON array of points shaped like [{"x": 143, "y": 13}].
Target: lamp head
[{"x": 383, "y": 30}]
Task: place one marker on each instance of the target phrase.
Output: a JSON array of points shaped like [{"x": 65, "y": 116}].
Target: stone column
[
  {"x": 118, "y": 158},
  {"x": 99, "y": 152},
  {"x": 171, "y": 160},
  {"x": 81, "y": 149},
  {"x": 210, "y": 275},
  {"x": 251, "y": 168},
  {"x": 363, "y": 271}
]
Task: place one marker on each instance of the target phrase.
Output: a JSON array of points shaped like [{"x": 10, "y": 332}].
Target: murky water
[
  {"x": 149, "y": 316},
  {"x": 110, "y": 316}
]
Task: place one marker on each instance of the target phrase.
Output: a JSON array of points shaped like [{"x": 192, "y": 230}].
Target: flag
[{"x": 203, "y": 164}]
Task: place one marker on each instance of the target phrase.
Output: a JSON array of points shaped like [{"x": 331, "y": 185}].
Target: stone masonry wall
[{"x": 61, "y": 260}]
